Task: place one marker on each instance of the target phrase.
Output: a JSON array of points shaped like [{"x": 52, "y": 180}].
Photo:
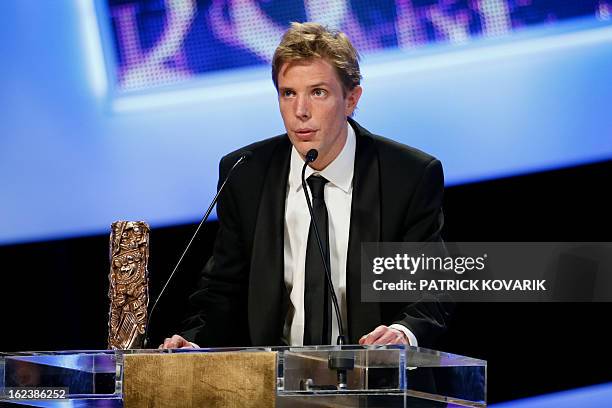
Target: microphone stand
[
  {"x": 243, "y": 158},
  {"x": 336, "y": 360}
]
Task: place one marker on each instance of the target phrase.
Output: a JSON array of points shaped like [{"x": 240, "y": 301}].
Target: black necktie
[{"x": 317, "y": 306}]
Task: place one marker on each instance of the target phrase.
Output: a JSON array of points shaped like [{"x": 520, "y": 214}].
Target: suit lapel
[
  {"x": 267, "y": 284},
  {"x": 365, "y": 227}
]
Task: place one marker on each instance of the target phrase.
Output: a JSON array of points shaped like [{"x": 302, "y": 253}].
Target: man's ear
[{"x": 352, "y": 97}]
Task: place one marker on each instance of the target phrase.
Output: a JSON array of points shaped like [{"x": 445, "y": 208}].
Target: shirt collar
[{"x": 339, "y": 172}]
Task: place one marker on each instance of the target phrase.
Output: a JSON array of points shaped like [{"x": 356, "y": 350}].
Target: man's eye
[
  {"x": 319, "y": 92},
  {"x": 288, "y": 93}
]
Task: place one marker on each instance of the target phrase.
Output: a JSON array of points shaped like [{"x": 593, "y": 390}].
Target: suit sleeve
[
  {"x": 221, "y": 297},
  {"x": 428, "y": 318}
]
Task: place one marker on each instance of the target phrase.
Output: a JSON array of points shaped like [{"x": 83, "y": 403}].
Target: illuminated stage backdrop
[
  {"x": 159, "y": 42},
  {"x": 124, "y": 109}
]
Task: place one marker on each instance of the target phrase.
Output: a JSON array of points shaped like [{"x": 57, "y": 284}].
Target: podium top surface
[{"x": 96, "y": 360}]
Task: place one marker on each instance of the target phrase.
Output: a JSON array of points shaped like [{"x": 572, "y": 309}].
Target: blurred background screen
[{"x": 121, "y": 109}]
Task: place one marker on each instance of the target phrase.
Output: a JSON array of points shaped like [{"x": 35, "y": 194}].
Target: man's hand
[
  {"x": 176, "y": 341},
  {"x": 384, "y": 335}
]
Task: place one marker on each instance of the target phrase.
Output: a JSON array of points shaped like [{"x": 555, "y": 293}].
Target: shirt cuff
[{"x": 412, "y": 340}]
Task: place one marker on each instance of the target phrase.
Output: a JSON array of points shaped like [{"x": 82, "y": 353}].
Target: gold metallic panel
[
  {"x": 195, "y": 380},
  {"x": 129, "y": 280}
]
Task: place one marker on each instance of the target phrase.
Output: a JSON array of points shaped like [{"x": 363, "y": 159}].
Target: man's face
[{"x": 314, "y": 108}]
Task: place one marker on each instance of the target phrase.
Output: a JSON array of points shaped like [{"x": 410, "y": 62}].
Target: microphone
[
  {"x": 311, "y": 156},
  {"x": 242, "y": 159},
  {"x": 336, "y": 361}
]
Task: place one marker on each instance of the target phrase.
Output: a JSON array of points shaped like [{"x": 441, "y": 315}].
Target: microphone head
[
  {"x": 311, "y": 155},
  {"x": 245, "y": 156}
]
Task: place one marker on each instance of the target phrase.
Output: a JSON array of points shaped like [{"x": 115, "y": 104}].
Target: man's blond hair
[{"x": 306, "y": 41}]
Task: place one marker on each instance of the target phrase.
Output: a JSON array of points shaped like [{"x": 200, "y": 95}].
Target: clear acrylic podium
[{"x": 381, "y": 376}]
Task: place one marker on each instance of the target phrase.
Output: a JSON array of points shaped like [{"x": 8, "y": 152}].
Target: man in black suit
[{"x": 264, "y": 284}]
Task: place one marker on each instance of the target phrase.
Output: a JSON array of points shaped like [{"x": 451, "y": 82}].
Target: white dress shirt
[{"x": 338, "y": 194}]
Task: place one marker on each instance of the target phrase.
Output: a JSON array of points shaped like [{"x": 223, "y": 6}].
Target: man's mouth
[{"x": 305, "y": 134}]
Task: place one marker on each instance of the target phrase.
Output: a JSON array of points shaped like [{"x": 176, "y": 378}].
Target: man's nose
[{"x": 302, "y": 108}]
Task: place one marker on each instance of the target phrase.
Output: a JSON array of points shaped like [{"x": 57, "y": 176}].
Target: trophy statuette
[{"x": 129, "y": 280}]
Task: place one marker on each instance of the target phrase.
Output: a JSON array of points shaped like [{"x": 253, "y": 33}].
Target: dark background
[{"x": 54, "y": 294}]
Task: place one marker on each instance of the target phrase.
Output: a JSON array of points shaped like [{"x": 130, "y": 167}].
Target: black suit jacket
[{"x": 397, "y": 196}]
